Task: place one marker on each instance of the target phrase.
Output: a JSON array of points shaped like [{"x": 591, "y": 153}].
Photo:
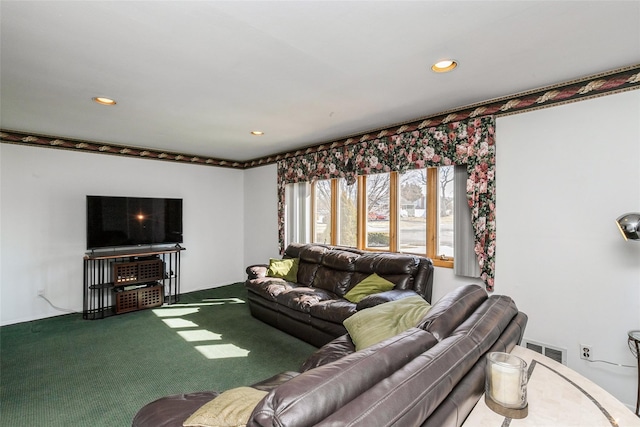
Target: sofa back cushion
[
  {"x": 315, "y": 394},
  {"x": 335, "y": 271},
  {"x": 452, "y": 309},
  {"x": 401, "y": 269},
  {"x": 310, "y": 259},
  {"x": 330, "y": 352}
]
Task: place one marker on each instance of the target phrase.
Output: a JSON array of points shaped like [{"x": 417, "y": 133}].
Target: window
[
  {"x": 412, "y": 224},
  {"x": 425, "y": 224},
  {"x": 377, "y": 211},
  {"x": 408, "y": 212},
  {"x": 321, "y": 199},
  {"x": 347, "y": 213},
  {"x": 445, "y": 210}
]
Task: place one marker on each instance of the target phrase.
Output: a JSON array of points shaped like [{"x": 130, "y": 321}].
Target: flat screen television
[{"x": 133, "y": 221}]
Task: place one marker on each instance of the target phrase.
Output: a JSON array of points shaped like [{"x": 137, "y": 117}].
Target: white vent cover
[{"x": 554, "y": 353}]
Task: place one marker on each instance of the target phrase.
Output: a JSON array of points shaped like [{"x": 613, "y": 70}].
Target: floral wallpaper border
[
  {"x": 114, "y": 149},
  {"x": 619, "y": 80},
  {"x": 469, "y": 142}
]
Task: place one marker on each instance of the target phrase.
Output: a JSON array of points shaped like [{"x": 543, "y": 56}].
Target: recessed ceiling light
[
  {"x": 444, "y": 66},
  {"x": 257, "y": 132},
  {"x": 104, "y": 101}
]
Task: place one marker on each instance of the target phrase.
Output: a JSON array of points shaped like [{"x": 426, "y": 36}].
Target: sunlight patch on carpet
[
  {"x": 175, "y": 312},
  {"x": 175, "y": 323},
  {"x": 209, "y": 302},
  {"x": 172, "y": 316},
  {"x": 225, "y": 300},
  {"x": 199, "y": 335},
  {"x": 221, "y": 351}
]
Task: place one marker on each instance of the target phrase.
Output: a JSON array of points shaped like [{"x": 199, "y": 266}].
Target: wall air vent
[{"x": 554, "y": 353}]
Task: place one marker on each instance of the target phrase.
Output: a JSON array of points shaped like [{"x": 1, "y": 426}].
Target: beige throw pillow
[
  {"x": 230, "y": 409},
  {"x": 375, "y": 324}
]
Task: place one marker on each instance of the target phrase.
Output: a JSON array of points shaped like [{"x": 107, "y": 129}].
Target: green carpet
[{"x": 65, "y": 371}]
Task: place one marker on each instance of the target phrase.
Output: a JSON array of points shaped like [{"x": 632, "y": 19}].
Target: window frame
[
  {"x": 433, "y": 202},
  {"x": 394, "y": 203}
]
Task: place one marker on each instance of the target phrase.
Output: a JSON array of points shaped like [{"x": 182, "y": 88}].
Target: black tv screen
[{"x": 132, "y": 221}]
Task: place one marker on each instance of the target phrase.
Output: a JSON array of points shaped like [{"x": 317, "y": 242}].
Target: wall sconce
[
  {"x": 506, "y": 385},
  {"x": 629, "y": 226}
]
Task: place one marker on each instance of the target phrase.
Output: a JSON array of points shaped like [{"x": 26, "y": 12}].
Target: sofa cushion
[
  {"x": 382, "y": 297},
  {"x": 340, "y": 260},
  {"x": 375, "y": 324},
  {"x": 268, "y": 287},
  {"x": 286, "y": 268},
  {"x": 330, "y": 352},
  {"x": 310, "y": 259},
  {"x": 372, "y": 284},
  {"x": 257, "y": 270},
  {"x": 335, "y": 281},
  {"x": 171, "y": 411},
  {"x": 333, "y": 310},
  {"x": 387, "y": 263},
  {"x": 275, "y": 381},
  {"x": 302, "y": 298},
  {"x": 397, "y": 268},
  {"x": 231, "y": 409},
  {"x": 313, "y": 395},
  {"x": 452, "y": 309},
  {"x": 336, "y": 270}
]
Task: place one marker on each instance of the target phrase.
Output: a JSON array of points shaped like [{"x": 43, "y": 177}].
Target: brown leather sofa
[
  {"x": 429, "y": 375},
  {"x": 313, "y": 308}
]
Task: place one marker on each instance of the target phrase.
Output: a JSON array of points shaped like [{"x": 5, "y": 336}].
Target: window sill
[{"x": 445, "y": 263}]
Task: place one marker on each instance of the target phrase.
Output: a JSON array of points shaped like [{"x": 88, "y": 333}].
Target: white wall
[
  {"x": 562, "y": 179},
  {"x": 564, "y": 174},
  {"x": 261, "y": 215},
  {"x": 43, "y": 224}
]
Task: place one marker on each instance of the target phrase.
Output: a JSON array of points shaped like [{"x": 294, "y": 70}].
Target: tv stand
[{"x": 121, "y": 281}]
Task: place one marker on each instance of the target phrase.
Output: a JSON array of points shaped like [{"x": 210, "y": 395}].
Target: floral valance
[{"x": 470, "y": 143}]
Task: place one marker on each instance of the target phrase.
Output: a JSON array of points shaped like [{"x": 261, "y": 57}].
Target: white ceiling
[{"x": 196, "y": 77}]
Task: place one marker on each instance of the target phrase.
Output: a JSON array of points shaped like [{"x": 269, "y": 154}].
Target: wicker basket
[
  {"x": 137, "y": 299},
  {"x": 135, "y": 272}
]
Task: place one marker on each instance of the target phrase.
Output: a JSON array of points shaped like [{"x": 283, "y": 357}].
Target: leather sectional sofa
[
  {"x": 428, "y": 375},
  {"x": 313, "y": 306}
]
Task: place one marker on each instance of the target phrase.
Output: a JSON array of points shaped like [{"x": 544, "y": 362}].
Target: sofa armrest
[
  {"x": 275, "y": 381},
  {"x": 334, "y": 350},
  {"x": 256, "y": 271},
  {"x": 172, "y": 410},
  {"x": 382, "y": 297}
]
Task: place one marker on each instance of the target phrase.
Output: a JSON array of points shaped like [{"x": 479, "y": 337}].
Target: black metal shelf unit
[{"x": 121, "y": 281}]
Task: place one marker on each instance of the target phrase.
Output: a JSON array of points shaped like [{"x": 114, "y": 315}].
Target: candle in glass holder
[{"x": 506, "y": 380}]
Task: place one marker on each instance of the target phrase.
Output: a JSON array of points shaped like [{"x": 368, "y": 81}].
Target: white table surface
[{"x": 558, "y": 396}]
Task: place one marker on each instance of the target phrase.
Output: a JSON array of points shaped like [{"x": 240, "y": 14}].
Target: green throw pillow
[
  {"x": 286, "y": 269},
  {"x": 230, "y": 409},
  {"x": 370, "y": 285},
  {"x": 375, "y": 324}
]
